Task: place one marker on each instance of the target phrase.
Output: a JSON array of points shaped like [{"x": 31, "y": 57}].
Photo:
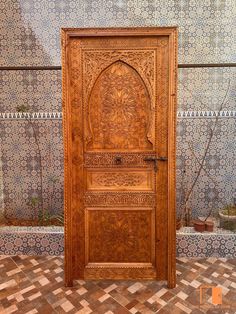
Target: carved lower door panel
[{"x": 119, "y": 90}]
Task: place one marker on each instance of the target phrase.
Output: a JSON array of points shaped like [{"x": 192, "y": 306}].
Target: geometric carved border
[
  {"x": 119, "y": 199},
  {"x": 108, "y": 159}
]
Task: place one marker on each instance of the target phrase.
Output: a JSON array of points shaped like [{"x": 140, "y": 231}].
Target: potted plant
[{"x": 228, "y": 217}]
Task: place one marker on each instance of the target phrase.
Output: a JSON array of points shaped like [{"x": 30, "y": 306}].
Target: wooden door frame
[{"x": 66, "y": 35}]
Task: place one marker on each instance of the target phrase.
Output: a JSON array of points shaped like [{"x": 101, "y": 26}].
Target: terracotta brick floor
[{"x": 35, "y": 285}]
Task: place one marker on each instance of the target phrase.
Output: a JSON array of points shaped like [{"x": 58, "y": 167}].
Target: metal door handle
[{"x": 155, "y": 159}]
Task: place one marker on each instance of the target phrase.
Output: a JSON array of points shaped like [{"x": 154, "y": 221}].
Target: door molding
[{"x": 75, "y": 136}]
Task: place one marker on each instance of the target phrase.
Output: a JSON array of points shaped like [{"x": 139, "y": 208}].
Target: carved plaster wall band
[
  {"x": 34, "y": 115},
  {"x": 58, "y": 115},
  {"x": 206, "y": 114}
]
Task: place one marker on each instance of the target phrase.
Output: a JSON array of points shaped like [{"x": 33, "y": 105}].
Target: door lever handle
[{"x": 155, "y": 159}]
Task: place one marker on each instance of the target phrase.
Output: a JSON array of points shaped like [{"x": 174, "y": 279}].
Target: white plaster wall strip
[{"x": 58, "y": 115}]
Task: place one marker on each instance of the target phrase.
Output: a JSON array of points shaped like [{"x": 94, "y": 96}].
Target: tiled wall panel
[
  {"x": 206, "y": 89},
  {"x": 39, "y": 90},
  {"x": 198, "y": 89},
  {"x": 31, "y": 241},
  {"x": 21, "y": 164},
  {"x": 192, "y": 244},
  {"x": 216, "y": 185},
  {"x": 30, "y": 32}
]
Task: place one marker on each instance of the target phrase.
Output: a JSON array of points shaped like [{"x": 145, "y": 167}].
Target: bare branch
[{"x": 206, "y": 148}]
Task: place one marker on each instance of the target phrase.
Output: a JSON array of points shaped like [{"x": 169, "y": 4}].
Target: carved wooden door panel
[{"x": 119, "y": 90}]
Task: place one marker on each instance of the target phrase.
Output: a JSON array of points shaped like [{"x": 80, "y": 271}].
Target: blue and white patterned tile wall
[
  {"x": 21, "y": 166},
  {"x": 31, "y": 28},
  {"x": 32, "y": 241},
  {"x": 216, "y": 185},
  {"x": 40, "y": 90},
  {"x": 198, "y": 89},
  {"x": 205, "y": 89},
  {"x": 30, "y": 36}
]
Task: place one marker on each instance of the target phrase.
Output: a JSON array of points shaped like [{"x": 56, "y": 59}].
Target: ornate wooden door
[{"x": 119, "y": 94}]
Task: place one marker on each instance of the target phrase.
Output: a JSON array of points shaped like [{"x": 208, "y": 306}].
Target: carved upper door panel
[
  {"x": 119, "y": 96},
  {"x": 119, "y": 110}
]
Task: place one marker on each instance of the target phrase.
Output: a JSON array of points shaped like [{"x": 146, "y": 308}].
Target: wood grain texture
[
  {"x": 67, "y": 163},
  {"x": 161, "y": 126},
  {"x": 119, "y": 107},
  {"x": 171, "y": 247}
]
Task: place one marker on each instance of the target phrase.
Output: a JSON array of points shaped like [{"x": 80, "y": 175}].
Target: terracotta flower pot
[
  {"x": 209, "y": 226},
  {"x": 199, "y": 225}
]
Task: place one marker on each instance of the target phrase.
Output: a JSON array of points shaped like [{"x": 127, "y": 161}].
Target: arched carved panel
[{"x": 119, "y": 110}]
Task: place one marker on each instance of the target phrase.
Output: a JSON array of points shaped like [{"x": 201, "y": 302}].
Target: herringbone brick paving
[{"x": 32, "y": 285}]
